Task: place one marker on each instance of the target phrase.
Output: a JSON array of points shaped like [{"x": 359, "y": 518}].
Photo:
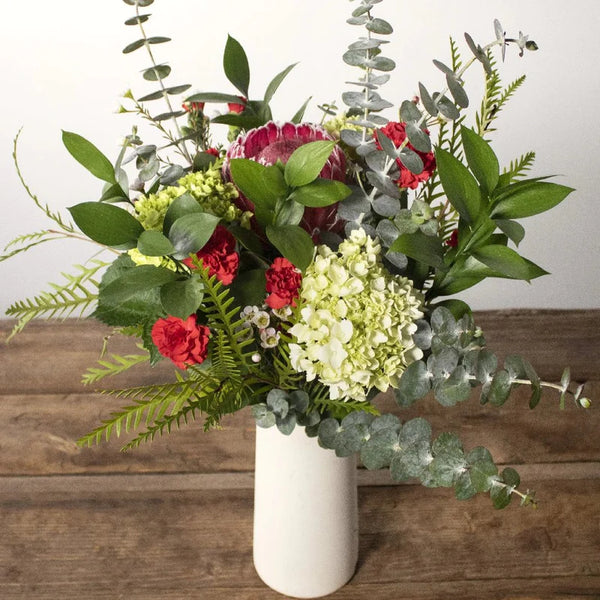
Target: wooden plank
[
  {"x": 415, "y": 544},
  {"x": 551, "y": 339},
  {"x": 38, "y": 433}
]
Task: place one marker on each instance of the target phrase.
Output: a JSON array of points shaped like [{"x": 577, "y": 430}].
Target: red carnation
[
  {"x": 283, "y": 283},
  {"x": 184, "y": 342},
  {"x": 271, "y": 143},
  {"x": 397, "y": 133},
  {"x": 235, "y": 107},
  {"x": 219, "y": 255}
]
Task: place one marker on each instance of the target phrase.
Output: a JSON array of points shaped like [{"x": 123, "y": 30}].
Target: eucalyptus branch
[{"x": 182, "y": 147}]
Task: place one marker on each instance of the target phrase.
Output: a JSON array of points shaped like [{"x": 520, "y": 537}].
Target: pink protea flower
[{"x": 272, "y": 142}]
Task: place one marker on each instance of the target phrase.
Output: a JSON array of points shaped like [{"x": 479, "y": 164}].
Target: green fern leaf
[
  {"x": 75, "y": 296},
  {"x": 520, "y": 166},
  {"x": 108, "y": 368}
]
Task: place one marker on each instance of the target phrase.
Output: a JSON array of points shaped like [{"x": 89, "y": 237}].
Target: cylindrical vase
[{"x": 305, "y": 514}]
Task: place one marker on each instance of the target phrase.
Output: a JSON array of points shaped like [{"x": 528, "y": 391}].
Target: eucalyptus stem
[{"x": 182, "y": 147}]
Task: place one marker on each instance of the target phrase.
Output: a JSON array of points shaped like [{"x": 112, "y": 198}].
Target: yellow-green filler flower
[
  {"x": 214, "y": 195},
  {"x": 357, "y": 320}
]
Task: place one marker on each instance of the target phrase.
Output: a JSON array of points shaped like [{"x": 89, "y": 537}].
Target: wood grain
[{"x": 173, "y": 519}]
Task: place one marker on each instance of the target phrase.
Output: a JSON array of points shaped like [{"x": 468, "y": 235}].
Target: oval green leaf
[
  {"x": 293, "y": 243},
  {"x": 85, "y": 153},
  {"x": 189, "y": 233},
  {"x": 107, "y": 224},
  {"x": 306, "y": 162}
]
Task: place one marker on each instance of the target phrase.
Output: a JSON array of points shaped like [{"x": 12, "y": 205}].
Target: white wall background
[{"x": 63, "y": 69}]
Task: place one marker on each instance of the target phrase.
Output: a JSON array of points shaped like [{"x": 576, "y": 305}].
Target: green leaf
[
  {"x": 503, "y": 260},
  {"x": 423, "y": 248},
  {"x": 378, "y": 450},
  {"x": 189, "y": 233},
  {"x": 276, "y": 82},
  {"x": 107, "y": 224},
  {"x": 293, "y": 243},
  {"x": 248, "y": 288},
  {"x": 321, "y": 192},
  {"x": 215, "y": 97},
  {"x": 154, "y": 243},
  {"x": 235, "y": 65},
  {"x": 414, "y": 454},
  {"x": 299, "y": 115},
  {"x": 133, "y": 281},
  {"x": 482, "y": 468},
  {"x": 156, "y": 73},
  {"x": 142, "y": 307},
  {"x": 182, "y": 298},
  {"x": 264, "y": 186},
  {"x": 89, "y": 156},
  {"x": 379, "y": 26},
  {"x": 513, "y": 230},
  {"x": 288, "y": 212},
  {"x": 500, "y": 388},
  {"x": 414, "y": 384},
  {"x": 459, "y": 185},
  {"x": 525, "y": 199},
  {"x": 133, "y": 46},
  {"x": 481, "y": 159},
  {"x": 184, "y": 205},
  {"x": 454, "y": 389},
  {"x": 449, "y": 460},
  {"x": 306, "y": 162}
]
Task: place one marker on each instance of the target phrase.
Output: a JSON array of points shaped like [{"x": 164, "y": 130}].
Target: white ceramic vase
[{"x": 305, "y": 515}]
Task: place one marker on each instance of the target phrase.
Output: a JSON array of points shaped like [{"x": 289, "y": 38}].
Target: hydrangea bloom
[
  {"x": 357, "y": 320},
  {"x": 207, "y": 187}
]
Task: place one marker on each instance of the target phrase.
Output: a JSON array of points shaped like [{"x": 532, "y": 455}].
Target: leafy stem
[{"x": 181, "y": 146}]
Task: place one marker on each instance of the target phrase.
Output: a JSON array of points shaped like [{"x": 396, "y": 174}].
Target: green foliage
[
  {"x": 409, "y": 451},
  {"x": 117, "y": 364},
  {"x": 75, "y": 296},
  {"x": 89, "y": 156},
  {"x": 107, "y": 224}
]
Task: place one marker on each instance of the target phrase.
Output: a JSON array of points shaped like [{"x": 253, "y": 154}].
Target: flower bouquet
[{"x": 302, "y": 268}]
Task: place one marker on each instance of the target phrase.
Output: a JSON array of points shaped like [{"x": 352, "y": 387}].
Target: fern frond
[
  {"x": 520, "y": 166},
  {"x": 217, "y": 307},
  {"x": 74, "y": 296},
  {"x": 223, "y": 363},
  {"x": 151, "y": 403},
  {"x": 117, "y": 364},
  {"x": 54, "y": 216},
  {"x": 287, "y": 377},
  {"x": 165, "y": 425},
  {"x": 495, "y": 98}
]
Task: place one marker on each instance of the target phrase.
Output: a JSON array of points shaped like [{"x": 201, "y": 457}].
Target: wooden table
[{"x": 173, "y": 519}]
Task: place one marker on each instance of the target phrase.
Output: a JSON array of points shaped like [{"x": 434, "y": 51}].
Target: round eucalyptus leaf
[
  {"x": 443, "y": 363},
  {"x": 378, "y": 450},
  {"x": 387, "y": 232},
  {"x": 137, "y": 19},
  {"x": 379, "y": 26},
  {"x": 328, "y": 431},
  {"x": 278, "y": 402},
  {"x": 286, "y": 424},
  {"x": 156, "y": 73},
  {"x": 386, "y": 206},
  {"x": 414, "y": 383},
  {"x": 264, "y": 417},
  {"x": 134, "y": 46}
]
